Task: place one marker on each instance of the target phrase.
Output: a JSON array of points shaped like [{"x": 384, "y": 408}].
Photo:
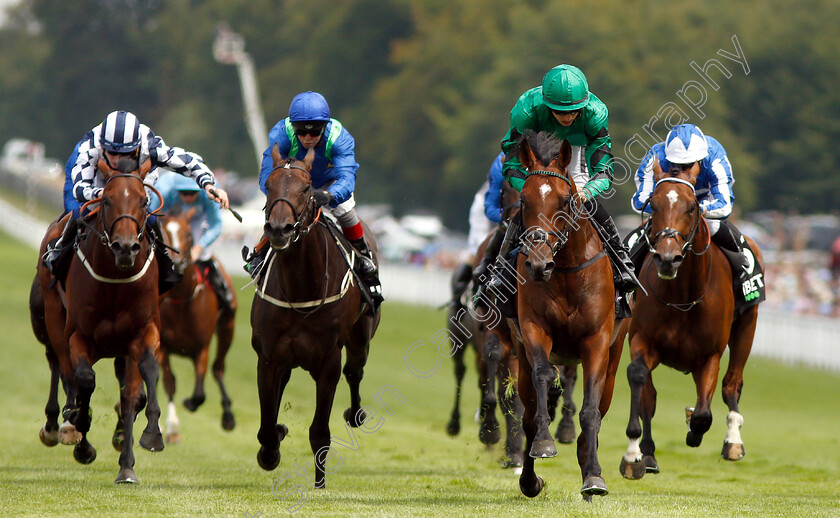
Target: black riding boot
[
  {"x": 625, "y": 278},
  {"x": 54, "y": 252},
  {"x": 460, "y": 280},
  {"x": 167, "y": 275},
  {"x": 369, "y": 272},
  {"x": 480, "y": 275},
  {"x": 218, "y": 283},
  {"x": 638, "y": 248}
]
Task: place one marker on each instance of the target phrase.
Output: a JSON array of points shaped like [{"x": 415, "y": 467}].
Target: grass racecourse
[{"x": 408, "y": 466}]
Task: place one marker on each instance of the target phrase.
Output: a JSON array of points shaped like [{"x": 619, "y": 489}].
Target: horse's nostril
[
  {"x": 135, "y": 248},
  {"x": 288, "y": 228},
  {"x": 549, "y": 267}
]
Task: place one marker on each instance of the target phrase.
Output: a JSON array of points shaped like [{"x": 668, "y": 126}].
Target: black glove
[{"x": 321, "y": 198}]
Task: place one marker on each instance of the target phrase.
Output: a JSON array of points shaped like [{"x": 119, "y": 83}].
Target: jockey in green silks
[{"x": 564, "y": 107}]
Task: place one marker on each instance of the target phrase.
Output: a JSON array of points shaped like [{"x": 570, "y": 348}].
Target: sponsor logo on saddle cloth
[{"x": 751, "y": 281}]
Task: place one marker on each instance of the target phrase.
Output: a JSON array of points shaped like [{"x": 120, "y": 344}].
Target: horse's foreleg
[
  {"x": 354, "y": 369},
  {"x": 566, "y": 427},
  {"x": 151, "y": 439},
  {"x": 200, "y": 369},
  {"x": 740, "y": 345},
  {"x": 491, "y": 352},
  {"x": 83, "y": 452},
  {"x": 529, "y": 482},
  {"x": 271, "y": 381},
  {"x": 596, "y": 368},
  {"x": 542, "y": 375},
  {"x": 130, "y": 384},
  {"x": 224, "y": 334},
  {"x": 319, "y": 431},
  {"x": 49, "y": 432},
  {"x": 700, "y": 417},
  {"x": 454, "y": 425},
  {"x": 173, "y": 433}
]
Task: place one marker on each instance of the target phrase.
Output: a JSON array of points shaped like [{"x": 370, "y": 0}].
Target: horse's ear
[
  {"x": 658, "y": 173},
  {"x": 145, "y": 167},
  {"x": 309, "y": 158},
  {"x": 276, "y": 157},
  {"x": 526, "y": 155},
  {"x": 105, "y": 169},
  {"x": 565, "y": 155}
]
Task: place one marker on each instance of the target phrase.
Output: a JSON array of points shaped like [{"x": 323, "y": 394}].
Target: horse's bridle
[
  {"x": 671, "y": 233},
  {"x": 299, "y": 230},
  {"x": 107, "y": 229},
  {"x": 539, "y": 236}
]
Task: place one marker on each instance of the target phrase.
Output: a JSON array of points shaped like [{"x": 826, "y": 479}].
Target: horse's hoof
[
  {"x": 173, "y": 438},
  {"x": 48, "y": 438},
  {"x": 83, "y": 455},
  {"x": 543, "y": 449},
  {"x": 355, "y": 419},
  {"x": 117, "y": 440},
  {"x": 282, "y": 432},
  {"x": 127, "y": 476},
  {"x": 228, "y": 422},
  {"x": 593, "y": 486},
  {"x": 732, "y": 451},
  {"x": 533, "y": 489},
  {"x": 68, "y": 435},
  {"x": 512, "y": 461},
  {"x": 632, "y": 470},
  {"x": 453, "y": 428},
  {"x": 693, "y": 439},
  {"x": 190, "y": 404},
  {"x": 565, "y": 432},
  {"x": 651, "y": 466},
  {"x": 488, "y": 435},
  {"x": 268, "y": 460},
  {"x": 152, "y": 441}
]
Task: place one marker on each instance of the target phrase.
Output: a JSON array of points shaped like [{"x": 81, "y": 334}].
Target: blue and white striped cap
[
  {"x": 685, "y": 144},
  {"x": 120, "y": 132}
]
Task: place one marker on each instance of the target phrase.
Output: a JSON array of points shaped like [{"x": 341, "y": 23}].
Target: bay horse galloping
[
  {"x": 190, "y": 315},
  {"x": 307, "y": 307},
  {"x": 685, "y": 322},
  {"x": 111, "y": 294},
  {"x": 566, "y": 309}
]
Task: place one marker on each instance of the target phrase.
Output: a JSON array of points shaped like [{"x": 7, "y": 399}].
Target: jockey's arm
[{"x": 344, "y": 168}]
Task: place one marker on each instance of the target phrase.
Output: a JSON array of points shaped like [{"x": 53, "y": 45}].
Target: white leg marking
[
  {"x": 633, "y": 453},
  {"x": 171, "y": 420},
  {"x": 734, "y": 421}
]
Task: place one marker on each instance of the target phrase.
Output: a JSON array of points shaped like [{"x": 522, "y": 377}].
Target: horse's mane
[{"x": 545, "y": 146}]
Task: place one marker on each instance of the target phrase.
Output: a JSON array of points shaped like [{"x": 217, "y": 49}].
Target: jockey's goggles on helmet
[
  {"x": 682, "y": 167},
  {"x": 312, "y": 128},
  {"x": 565, "y": 112}
]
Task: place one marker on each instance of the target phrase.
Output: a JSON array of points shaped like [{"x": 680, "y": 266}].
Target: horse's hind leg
[
  {"x": 151, "y": 439},
  {"x": 700, "y": 418},
  {"x": 566, "y": 427},
  {"x": 512, "y": 410},
  {"x": 319, "y": 431},
  {"x": 224, "y": 334},
  {"x": 49, "y": 432},
  {"x": 740, "y": 345},
  {"x": 453, "y": 427},
  {"x": 200, "y": 362},
  {"x": 354, "y": 369},
  {"x": 173, "y": 433},
  {"x": 491, "y": 353}
]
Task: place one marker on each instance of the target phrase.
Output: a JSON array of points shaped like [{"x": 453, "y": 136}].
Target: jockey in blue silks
[
  {"x": 687, "y": 147},
  {"x": 485, "y": 212},
  {"x": 181, "y": 194},
  {"x": 333, "y": 174},
  {"x": 120, "y": 135}
]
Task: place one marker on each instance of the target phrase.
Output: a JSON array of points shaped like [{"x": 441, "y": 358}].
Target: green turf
[{"x": 409, "y": 466}]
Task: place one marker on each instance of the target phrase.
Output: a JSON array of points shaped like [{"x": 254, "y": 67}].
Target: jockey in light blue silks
[
  {"x": 333, "y": 174},
  {"x": 485, "y": 212},
  {"x": 687, "y": 147},
  {"x": 181, "y": 194}
]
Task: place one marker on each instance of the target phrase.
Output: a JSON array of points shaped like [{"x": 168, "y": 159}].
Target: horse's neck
[
  {"x": 303, "y": 265},
  {"x": 583, "y": 243}
]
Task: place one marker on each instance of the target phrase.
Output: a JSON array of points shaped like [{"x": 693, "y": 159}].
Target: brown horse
[
  {"x": 307, "y": 307},
  {"x": 111, "y": 310},
  {"x": 190, "y": 315},
  {"x": 685, "y": 322},
  {"x": 566, "y": 309}
]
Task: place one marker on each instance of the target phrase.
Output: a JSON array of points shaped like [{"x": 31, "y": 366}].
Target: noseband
[
  {"x": 299, "y": 230},
  {"x": 671, "y": 233},
  {"x": 539, "y": 236}
]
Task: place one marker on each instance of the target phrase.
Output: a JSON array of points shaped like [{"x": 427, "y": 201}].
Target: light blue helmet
[
  {"x": 685, "y": 144},
  {"x": 183, "y": 184},
  {"x": 309, "y": 106}
]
